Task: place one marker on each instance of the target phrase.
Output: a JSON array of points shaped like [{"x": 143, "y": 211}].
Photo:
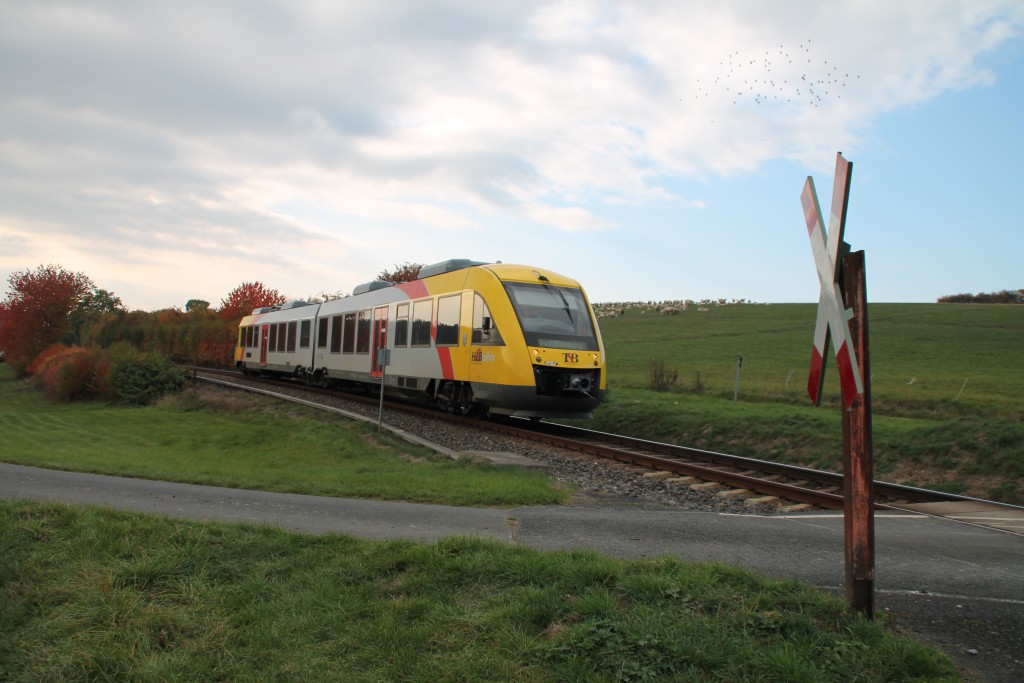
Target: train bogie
[{"x": 471, "y": 337}]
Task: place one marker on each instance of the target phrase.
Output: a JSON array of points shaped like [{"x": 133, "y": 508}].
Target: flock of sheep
[{"x": 613, "y": 310}]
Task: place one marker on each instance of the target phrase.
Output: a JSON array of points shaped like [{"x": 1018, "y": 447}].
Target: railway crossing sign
[
  {"x": 833, "y": 316},
  {"x": 840, "y": 286}
]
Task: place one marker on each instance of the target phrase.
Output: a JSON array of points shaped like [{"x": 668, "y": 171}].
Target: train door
[
  {"x": 264, "y": 340},
  {"x": 380, "y": 339}
]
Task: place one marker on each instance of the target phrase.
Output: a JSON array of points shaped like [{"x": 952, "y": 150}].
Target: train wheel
[{"x": 465, "y": 404}]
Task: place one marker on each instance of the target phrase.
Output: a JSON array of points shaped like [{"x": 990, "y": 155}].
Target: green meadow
[
  {"x": 93, "y": 594},
  {"x": 217, "y": 437},
  {"x": 97, "y": 595},
  {"x": 946, "y": 381}
]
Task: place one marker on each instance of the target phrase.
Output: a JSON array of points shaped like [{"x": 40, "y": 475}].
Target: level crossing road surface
[{"x": 959, "y": 587}]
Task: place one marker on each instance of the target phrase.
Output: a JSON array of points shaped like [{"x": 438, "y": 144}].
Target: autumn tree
[
  {"x": 88, "y": 312},
  {"x": 402, "y": 273},
  {"x": 245, "y": 297},
  {"x": 196, "y": 305},
  {"x": 37, "y": 311}
]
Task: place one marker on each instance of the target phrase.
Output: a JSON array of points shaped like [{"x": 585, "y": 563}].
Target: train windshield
[{"x": 553, "y": 317}]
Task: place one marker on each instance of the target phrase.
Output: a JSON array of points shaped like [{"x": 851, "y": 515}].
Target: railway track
[
  {"x": 760, "y": 480},
  {"x": 817, "y": 488}
]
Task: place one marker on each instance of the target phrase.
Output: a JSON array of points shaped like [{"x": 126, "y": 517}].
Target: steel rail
[{"x": 671, "y": 458}]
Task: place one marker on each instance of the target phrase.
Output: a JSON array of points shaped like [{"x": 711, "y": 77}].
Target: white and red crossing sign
[{"x": 833, "y": 316}]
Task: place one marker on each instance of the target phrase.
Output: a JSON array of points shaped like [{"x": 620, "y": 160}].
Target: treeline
[
  {"x": 197, "y": 337},
  {"x": 80, "y": 341},
  {"x": 1004, "y": 297}
]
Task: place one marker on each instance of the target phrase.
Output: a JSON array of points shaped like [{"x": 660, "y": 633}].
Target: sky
[{"x": 652, "y": 150}]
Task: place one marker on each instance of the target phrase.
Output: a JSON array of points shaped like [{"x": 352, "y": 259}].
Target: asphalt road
[{"x": 958, "y": 587}]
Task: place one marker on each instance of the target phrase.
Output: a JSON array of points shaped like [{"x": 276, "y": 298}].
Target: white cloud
[{"x": 165, "y": 130}]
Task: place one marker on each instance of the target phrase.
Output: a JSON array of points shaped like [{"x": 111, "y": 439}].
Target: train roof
[
  {"x": 503, "y": 271},
  {"x": 449, "y": 266}
]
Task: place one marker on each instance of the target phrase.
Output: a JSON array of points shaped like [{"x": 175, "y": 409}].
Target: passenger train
[{"x": 475, "y": 338}]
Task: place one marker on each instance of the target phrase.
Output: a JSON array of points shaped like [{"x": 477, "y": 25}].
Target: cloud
[{"x": 266, "y": 129}]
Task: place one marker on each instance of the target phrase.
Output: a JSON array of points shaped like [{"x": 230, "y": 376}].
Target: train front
[{"x": 561, "y": 345}]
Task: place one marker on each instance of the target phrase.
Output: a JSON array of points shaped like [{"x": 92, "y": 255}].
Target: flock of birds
[{"x": 783, "y": 76}]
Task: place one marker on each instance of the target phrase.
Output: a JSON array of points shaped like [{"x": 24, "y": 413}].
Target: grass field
[
  {"x": 946, "y": 381},
  {"x": 921, "y": 354},
  {"x": 96, "y": 595},
  {"x": 220, "y": 438},
  {"x": 99, "y": 595}
]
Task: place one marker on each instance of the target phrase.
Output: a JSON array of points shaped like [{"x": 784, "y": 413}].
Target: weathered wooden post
[
  {"x": 842, "y": 317},
  {"x": 858, "y": 454}
]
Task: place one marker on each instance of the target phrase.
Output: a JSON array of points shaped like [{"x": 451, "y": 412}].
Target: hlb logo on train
[
  {"x": 571, "y": 357},
  {"x": 480, "y": 357}
]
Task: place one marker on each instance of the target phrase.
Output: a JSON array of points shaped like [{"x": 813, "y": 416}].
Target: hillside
[{"x": 946, "y": 384}]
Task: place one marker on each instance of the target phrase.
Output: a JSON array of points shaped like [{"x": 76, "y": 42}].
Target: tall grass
[{"x": 101, "y": 595}]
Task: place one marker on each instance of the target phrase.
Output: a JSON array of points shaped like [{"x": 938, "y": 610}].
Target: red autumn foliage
[
  {"x": 245, "y": 297},
  {"x": 36, "y": 313},
  {"x": 65, "y": 373}
]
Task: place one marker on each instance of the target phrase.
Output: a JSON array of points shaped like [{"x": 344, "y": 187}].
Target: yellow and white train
[{"x": 471, "y": 337}]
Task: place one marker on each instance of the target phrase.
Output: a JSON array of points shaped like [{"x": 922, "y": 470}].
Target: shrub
[
  {"x": 698, "y": 384},
  {"x": 135, "y": 377},
  {"x": 121, "y": 374},
  {"x": 65, "y": 373},
  {"x": 662, "y": 379}
]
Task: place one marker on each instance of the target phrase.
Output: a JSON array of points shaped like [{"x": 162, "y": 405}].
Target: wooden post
[{"x": 858, "y": 455}]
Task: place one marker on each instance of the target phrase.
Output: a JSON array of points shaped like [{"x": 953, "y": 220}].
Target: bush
[
  {"x": 65, "y": 373},
  {"x": 137, "y": 378},
  {"x": 121, "y": 374},
  {"x": 662, "y": 378}
]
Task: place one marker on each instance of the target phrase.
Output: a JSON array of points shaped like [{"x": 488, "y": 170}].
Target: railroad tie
[{"x": 763, "y": 500}]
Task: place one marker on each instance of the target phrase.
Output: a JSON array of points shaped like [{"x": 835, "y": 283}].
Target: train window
[
  {"x": 485, "y": 331},
  {"x": 293, "y": 328},
  {"x": 272, "y": 346},
  {"x": 363, "y": 337},
  {"x": 553, "y": 317},
  {"x": 304, "y": 334},
  {"x": 350, "y": 333},
  {"x": 250, "y": 336},
  {"x": 321, "y": 333},
  {"x": 448, "y": 318},
  {"x": 402, "y": 325},
  {"x": 422, "y": 312},
  {"x": 336, "y": 334},
  {"x": 282, "y": 334}
]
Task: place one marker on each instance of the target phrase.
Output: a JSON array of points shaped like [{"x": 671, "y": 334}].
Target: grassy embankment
[
  {"x": 946, "y": 385},
  {"x": 90, "y": 594},
  {"x": 216, "y": 437}
]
